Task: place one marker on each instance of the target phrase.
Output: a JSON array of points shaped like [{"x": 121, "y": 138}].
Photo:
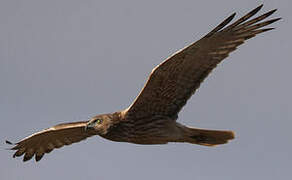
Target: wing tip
[
  {"x": 260, "y": 31},
  {"x": 38, "y": 157},
  {"x": 247, "y": 16},
  {"x": 25, "y": 159},
  {"x": 14, "y": 155},
  {"x": 257, "y": 9},
  {"x": 15, "y": 145},
  {"x": 274, "y": 20},
  {"x": 273, "y": 10},
  {"x": 222, "y": 24},
  {"x": 9, "y": 142},
  {"x": 267, "y": 29},
  {"x": 269, "y": 13},
  {"x": 232, "y": 15},
  {"x": 260, "y": 6},
  {"x": 277, "y": 19}
]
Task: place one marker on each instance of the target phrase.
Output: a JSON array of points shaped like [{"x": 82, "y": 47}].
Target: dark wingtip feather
[
  {"x": 226, "y": 21},
  {"x": 273, "y": 20},
  {"x": 276, "y": 19},
  {"x": 254, "y": 11},
  {"x": 272, "y": 11},
  {"x": 38, "y": 157},
  {"x": 269, "y": 13},
  {"x": 26, "y": 157},
  {"x": 245, "y": 17},
  {"x": 221, "y": 25},
  {"x": 9, "y": 142},
  {"x": 260, "y": 6},
  {"x": 231, "y": 17},
  {"x": 262, "y": 30},
  {"x": 256, "y": 26},
  {"x": 255, "y": 20},
  {"x": 267, "y": 29},
  {"x": 18, "y": 153}
]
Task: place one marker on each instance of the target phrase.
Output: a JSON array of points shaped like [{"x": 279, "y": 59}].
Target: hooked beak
[{"x": 89, "y": 125}]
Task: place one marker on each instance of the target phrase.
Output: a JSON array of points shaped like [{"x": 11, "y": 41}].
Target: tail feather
[{"x": 207, "y": 137}]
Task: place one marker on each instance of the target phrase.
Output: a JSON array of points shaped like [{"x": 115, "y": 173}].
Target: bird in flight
[{"x": 151, "y": 118}]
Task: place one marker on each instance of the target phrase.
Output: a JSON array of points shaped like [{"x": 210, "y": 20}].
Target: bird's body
[
  {"x": 152, "y": 117},
  {"x": 158, "y": 130},
  {"x": 152, "y": 130}
]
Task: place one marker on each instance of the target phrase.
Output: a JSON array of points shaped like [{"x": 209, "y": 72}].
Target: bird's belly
[{"x": 158, "y": 131}]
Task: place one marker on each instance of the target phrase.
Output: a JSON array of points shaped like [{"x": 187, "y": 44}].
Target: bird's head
[{"x": 100, "y": 123}]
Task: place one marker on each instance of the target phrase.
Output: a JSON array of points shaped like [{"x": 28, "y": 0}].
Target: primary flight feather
[{"x": 151, "y": 119}]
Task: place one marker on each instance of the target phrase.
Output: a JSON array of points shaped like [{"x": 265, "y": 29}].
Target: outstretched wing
[
  {"x": 173, "y": 82},
  {"x": 55, "y": 137}
]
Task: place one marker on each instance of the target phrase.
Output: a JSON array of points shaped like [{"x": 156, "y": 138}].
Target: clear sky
[{"x": 68, "y": 60}]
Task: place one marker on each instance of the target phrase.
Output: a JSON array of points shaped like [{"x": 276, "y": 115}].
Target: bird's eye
[{"x": 98, "y": 121}]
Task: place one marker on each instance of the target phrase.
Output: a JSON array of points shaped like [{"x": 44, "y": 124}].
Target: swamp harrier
[{"x": 151, "y": 119}]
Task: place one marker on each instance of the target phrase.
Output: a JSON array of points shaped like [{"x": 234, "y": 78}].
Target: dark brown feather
[
  {"x": 55, "y": 137},
  {"x": 174, "y": 81}
]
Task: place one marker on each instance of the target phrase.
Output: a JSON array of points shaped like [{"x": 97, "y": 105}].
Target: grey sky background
[{"x": 68, "y": 60}]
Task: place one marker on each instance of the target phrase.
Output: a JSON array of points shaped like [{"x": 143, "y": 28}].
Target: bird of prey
[{"x": 151, "y": 118}]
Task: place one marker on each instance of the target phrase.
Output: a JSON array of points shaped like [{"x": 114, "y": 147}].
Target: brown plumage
[{"x": 151, "y": 119}]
